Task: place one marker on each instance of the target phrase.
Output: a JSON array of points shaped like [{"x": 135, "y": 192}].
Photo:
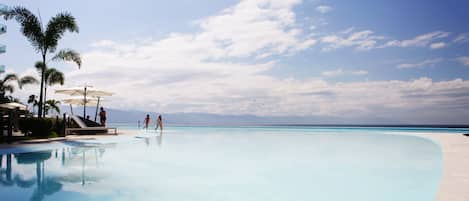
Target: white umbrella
[
  {"x": 12, "y": 106},
  {"x": 85, "y": 91},
  {"x": 79, "y": 101}
]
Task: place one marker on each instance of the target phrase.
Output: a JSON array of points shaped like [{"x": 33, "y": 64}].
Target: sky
[{"x": 397, "y": 60}]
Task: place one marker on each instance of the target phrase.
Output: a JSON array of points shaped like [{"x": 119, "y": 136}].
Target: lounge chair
[{"x": 83, "y": 128}]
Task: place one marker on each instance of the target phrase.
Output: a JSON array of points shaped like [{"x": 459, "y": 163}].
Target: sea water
[{"x": 228, "y": 163}]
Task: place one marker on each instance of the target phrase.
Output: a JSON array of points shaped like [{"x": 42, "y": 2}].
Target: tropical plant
[
  {"x": 52, "y": 105},
  {"x": 7, "y": 84},
  {"x": 45, "y": 39},
  {"x": 52, "y": 76},
  {"x": 32, "y": 99}
]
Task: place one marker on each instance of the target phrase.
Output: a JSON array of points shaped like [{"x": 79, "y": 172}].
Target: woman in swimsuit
[
  {"x": 147, "y": 121},
  {"x": 159, "y": 123}
]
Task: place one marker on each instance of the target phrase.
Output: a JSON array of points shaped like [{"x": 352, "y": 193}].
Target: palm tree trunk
[
  {"x": 40, "y": 106},
  {"x": 45, "y": 100}
]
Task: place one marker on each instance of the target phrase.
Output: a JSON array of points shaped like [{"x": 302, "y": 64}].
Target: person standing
[
  {"x": 102, "y": 117},
  {"x": 146, "y": 121},
  {"x": 159, "y": 123}
]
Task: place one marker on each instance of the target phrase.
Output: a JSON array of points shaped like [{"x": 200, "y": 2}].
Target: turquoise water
[{"x": 227, "y": 163}]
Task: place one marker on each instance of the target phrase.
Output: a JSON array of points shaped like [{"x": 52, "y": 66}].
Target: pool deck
[{"x": 455, "y": 180}]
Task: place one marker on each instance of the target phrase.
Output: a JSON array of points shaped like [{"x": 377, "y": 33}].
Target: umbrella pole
[
  {"x": 84, "y": 104},
  {"x": 97, "y": 106},
  {"x": 71, "y": 109}
]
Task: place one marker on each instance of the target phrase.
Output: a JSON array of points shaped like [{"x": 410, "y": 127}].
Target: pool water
[{"x": 203, "y": 163}]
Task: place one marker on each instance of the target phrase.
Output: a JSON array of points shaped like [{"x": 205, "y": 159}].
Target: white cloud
[
  {"x": 207, "y": 71},
  {"x": 333, "y": 73},
  {"x": 250, "y": 26},
  {"x": 367, "y": 40},
  {"x": 323, "y": 9},
  {"x": 418, "y": 41},
  {"x": 425, "y": 63},
  {"x": 341, "y": 72},
  {"x": 464, "y": 60},
  {"x": 437, "y": 45},
  {"x": 360, "y": 40},
  {"x": 462, "y": 38},
  {"x": 103, "y": 43},
  {"x": 360, "y": 72}
]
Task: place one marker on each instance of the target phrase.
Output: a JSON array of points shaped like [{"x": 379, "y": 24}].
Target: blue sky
[{"x": 389, "y": 59}]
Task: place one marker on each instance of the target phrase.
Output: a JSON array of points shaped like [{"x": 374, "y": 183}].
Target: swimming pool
[{"x": 222, "y": 163}]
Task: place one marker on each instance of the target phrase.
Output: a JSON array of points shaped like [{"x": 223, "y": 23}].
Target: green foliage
[
  {"x": 68, "y": 55},
  {"x": 8, "y": 83},
  {"x": 52, "y": 105},
  {"x": 52, "y": 134},
  {"x": 53, "y": 76},
  {"x": 45, "y": 38},
  {"x": 41, "y": 127}
]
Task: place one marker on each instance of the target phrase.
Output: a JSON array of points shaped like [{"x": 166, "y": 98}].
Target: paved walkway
[{"x": 455, "y": 180}]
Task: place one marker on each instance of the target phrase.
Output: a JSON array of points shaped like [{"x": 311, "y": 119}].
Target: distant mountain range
[{"x": 133, "y": 116}]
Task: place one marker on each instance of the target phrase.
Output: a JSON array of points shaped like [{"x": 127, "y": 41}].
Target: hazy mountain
[{"x": 133, "y": 116}]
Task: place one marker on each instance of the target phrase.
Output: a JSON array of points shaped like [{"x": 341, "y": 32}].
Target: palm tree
[
  {"x": 33, "y": 100},
  {"x": 45, "y": 39},
  {"x": 52, "y": 104},
  {"x": 52, "y": 76},
  {"x": 7, "y": 85}
]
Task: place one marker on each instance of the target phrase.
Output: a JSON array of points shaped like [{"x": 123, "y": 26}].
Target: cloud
[
  {"x": 103, "y": 43},
  {"x": 333, "y": 73},
  {"x": 425, "y": 63},
  {"x": 224, "y": 68},
  {"x": 341, "y": 72},
  {"x": 360, "y": 72},
  {"x": 464, "y": 60},
  {"x": 360, "y": 40},
  {"x": 367, "y": 40},
  {"x": 323, "y": 9},
  {"x": 437, "y": 45},
  {"x": 418, "y": 41},
  {"x": 462, "y": 38},
  {"x": 251, "y": 26}
]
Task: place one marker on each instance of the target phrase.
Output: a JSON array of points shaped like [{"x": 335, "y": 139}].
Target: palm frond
[
  {"x": 39, "y": 65},
  {"x": 53, "y": 76},
  {"x": 56, "y": 28},
  {"x": 31, "y": 26},
  {"x": 10, "y": 88},
  {"x": 27, "y": 80},
  {"x": 53, "y": 104},
  {"x": 68, "y": 55},
  {"x": 10, "y": 77}
]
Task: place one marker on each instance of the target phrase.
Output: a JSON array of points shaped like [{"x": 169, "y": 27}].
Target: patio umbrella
[
  {"x": 85, "y": 92},
  {"x": 13, "y": 105},
  {"x": 79, "y": 101}
]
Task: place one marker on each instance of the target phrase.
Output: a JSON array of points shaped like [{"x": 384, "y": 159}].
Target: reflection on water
[
  {"x": 42, "y": 183},
  {"x": 149, "y": 140},
  {"x": 225, "y": 165},
  {"x": 76, "y": 155}
]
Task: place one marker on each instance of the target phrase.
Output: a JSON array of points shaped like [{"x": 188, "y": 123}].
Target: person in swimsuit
[
  {"x": 147, "y": 121},
  {"x": 102, "y": 117},
  {"x": 159, "y": 123}
]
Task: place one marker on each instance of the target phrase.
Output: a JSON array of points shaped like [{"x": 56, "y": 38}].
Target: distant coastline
[{"x": 408, "y": 126}]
